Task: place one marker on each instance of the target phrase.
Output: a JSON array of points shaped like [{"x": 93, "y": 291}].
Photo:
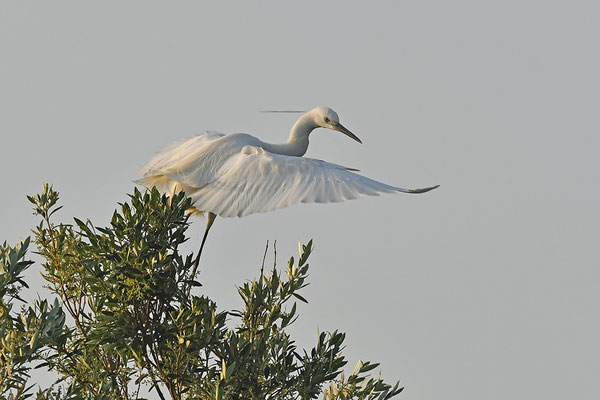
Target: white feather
[{"x": 238, "y": 174}]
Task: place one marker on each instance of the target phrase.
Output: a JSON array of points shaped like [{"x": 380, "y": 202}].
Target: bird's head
[{"x": 325, "y": 117}]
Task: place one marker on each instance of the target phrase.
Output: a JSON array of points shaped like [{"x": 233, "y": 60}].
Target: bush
[{"x": 131, "y": 324}]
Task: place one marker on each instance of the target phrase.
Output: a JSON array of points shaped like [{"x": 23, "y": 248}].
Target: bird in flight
[{"x": 238, "y": 174}]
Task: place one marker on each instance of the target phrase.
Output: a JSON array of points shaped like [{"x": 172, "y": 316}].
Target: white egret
[{"x": 238, "y": 174}]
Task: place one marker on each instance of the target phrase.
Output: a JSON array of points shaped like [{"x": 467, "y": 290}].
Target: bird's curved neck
[{"x": 297, "y": 143}]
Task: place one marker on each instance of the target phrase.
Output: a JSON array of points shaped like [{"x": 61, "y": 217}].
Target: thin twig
[
  {"x": 137, "y": 393},
  {"x": 160, "y": 393},
  {"x": 275, "y": 255},
  {"x": 262, "y": 267},
  {"x": 154, "y": 381},
  {"x": 124, "y": 387}
]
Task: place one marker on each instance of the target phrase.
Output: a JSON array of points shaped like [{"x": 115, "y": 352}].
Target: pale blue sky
[{"x": 487, "y": 288}]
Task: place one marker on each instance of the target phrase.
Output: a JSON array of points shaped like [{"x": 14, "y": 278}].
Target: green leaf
[
  {"x": 366, "y": 367},
  {"x": 299, "y": 297}
]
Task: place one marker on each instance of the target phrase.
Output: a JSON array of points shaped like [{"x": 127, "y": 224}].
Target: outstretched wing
[{"x": 255, "y": 181}]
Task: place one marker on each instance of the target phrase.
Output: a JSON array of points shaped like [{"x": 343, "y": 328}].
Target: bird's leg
[{"x": 211, "y": 219}]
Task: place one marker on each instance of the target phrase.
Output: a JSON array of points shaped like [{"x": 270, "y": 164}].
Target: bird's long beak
[{"x": 342, "y": 128}]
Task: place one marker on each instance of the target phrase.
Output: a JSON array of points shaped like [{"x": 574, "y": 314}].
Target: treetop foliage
[{"x": 123, "y": 327}]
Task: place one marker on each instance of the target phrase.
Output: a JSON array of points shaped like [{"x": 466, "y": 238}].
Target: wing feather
[
  {"x": 255, "y": 181},
  {"x": 178, "y": 153}
]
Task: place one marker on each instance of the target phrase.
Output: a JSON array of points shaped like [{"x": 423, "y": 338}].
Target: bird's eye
[{"x": 327, "y": 120}]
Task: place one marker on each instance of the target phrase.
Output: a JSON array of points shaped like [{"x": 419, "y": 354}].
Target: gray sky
[{"x": 485, "y": 288}]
